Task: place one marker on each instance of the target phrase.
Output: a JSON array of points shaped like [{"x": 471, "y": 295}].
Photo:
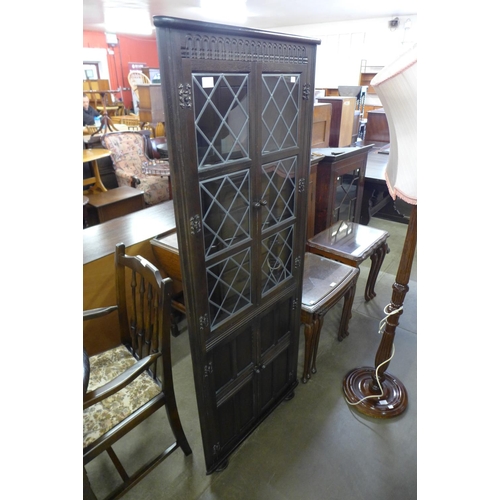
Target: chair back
[
  {"x": 128, "y": 151},
  {"x": 135, "y": 77},
  {"x": 144, "y": 308}
]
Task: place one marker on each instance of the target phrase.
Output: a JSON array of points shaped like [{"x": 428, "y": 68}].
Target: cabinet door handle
[{"x": 260, "y": 203}]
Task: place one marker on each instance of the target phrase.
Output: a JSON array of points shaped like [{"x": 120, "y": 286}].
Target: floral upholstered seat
[
  {"x": 128, "y": 152},
  {"x": 103, "y": 416}
]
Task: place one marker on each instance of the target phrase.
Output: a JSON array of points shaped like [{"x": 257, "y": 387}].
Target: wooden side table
[
  {"x": 92, "y": 155},
  {"x": 351, "y": 244},
  {"x": 325, "y": 282}
]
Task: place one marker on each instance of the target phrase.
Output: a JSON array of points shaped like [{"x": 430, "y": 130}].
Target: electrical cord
[{"x": 381, "y": 328}]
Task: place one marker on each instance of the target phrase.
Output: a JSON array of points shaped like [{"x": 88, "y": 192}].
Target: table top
[
  {"x": 95, "y": 154},
  {"x": 322, "y": 277},
  {"x": 100, "y": 240},
  {"x": 350, "y": 240}
]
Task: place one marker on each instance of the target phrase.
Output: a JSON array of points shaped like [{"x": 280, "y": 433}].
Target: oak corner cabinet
[{"x": 238, "y": 107}]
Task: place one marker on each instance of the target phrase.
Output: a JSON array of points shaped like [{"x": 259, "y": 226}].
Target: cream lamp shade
[{"x": 396, "y": 85}]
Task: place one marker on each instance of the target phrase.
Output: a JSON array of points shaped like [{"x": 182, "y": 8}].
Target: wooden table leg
[{"x": 377, "y": 259}]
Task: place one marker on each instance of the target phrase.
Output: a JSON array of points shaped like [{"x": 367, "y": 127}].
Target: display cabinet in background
[{"x": 238, "y": 108}]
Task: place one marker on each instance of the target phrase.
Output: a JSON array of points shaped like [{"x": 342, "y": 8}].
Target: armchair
[
  {"x": 129, "y": 154},
  {"x": 128, "y": 383}
]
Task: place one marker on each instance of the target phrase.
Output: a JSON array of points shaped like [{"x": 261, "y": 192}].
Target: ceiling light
[
  {"x": 127, "y": 20},
  {"x": 224, "y": 10}
]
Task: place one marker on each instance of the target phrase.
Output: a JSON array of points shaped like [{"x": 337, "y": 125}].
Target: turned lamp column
[
  {"x": 362, "y": 383},
  {"x": 374, "y": 391}
]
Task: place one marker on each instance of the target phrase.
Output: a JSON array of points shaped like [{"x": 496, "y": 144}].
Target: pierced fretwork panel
[
  {"x": 278, "y": 188},
  {"x": 280, "y": 95},
  {"x": 221, "y": 117},
  {"x": 346, "y": 196},
  {"x": 228, "y": 286},
  {"x": 225, "y": 206},
  {"x": 277, "y": 252}
]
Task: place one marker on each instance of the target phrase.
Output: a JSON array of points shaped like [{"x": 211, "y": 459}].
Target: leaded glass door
[{"x": 238, "y": 126}]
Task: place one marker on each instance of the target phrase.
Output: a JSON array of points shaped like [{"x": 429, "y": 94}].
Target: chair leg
[{"x": 176, "y": 426}]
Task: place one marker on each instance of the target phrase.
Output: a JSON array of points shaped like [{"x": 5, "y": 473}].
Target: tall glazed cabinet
[{"x": 238, "y": 107}]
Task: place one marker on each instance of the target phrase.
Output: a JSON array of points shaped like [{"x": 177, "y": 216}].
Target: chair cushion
[{"x": 103, "y": 416}]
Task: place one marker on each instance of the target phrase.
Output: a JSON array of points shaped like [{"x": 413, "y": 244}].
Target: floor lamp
[{"x": 373, "y": 391}]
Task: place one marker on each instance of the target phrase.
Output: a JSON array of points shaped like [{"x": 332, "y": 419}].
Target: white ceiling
[{"x": 261, "y": 13}]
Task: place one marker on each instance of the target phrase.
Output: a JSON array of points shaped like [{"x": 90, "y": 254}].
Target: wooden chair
[
  {"x": 135, "y": 77},
  {"x": 129, "y": 154},
  {"x": 125, "y": 385}
]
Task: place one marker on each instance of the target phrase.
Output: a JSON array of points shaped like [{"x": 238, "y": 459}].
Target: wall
[
  {"x": 345, "y": 44},
  {"x": 129, "y": 49}
]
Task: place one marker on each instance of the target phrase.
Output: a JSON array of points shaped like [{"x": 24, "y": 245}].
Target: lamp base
[{"x": 359, "y": 383}]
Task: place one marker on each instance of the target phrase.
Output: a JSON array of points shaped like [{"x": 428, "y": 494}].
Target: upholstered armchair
[{"x": 128, "y": 152}]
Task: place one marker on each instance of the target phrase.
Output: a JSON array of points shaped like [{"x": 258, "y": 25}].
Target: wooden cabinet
[
  {"x": 341, "y": 121},
  {"x": 238, "y": 108},
  {"x": 340, "y": 178},
  {"x": 322, "y": 118},
  {"x": 377, "y": 127},
  {"x": 151, "y": 107}
]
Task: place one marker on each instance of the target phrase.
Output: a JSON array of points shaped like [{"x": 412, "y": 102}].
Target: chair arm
[
  {"x": 98, "y": 312},
  {"x": 135, "y": 181},
  {"x": 118, "y": 383}
]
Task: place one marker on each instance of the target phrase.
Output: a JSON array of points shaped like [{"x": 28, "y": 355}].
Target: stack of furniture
[{"x": 342, "y": 120}]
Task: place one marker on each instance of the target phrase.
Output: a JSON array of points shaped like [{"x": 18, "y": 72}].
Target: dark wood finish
[
  {"x": 322, "y": 119},
  {"x": 377, "y": 127},
  {"x": 311, "y": 193},
  {"x": 114, "y": 203},
  {"x": 340, "y": 180},
  {"x": 151, "y": 107},
  {"x": 242, "y": 255},
  {"x": 387, "y": 395},
  {"x": 342, "y": 120},
  {"x": 352, "y": 244},
  {"x": 325, "y": 283},
  {"x": 143, "y": 306}
]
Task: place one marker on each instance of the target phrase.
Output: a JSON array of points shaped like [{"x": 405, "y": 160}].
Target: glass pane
[
  {"x": 280, "y": 95},
  {"x": 228, "y": 286},
  {"x": 277, "y": 259},
  {"x": 278, "y": 188},
  {"x": 221, "y": 117},
  {"x": 346, "y": 196},
  {"x": 226, "y": 210}
]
